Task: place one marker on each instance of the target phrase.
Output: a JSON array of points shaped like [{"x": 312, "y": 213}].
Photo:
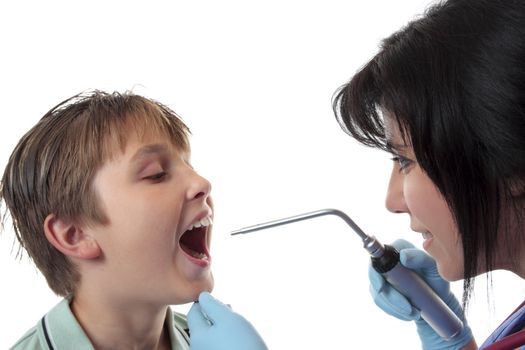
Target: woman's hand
[{"x": 394, "y": 303}]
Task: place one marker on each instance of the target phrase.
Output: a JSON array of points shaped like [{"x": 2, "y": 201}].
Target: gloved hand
[
  {"x": 214, "y": 326},
  {"x": 395, "y": 304}
]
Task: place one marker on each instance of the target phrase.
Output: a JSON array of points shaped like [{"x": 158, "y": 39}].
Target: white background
[{"x": 254, "y": 81}]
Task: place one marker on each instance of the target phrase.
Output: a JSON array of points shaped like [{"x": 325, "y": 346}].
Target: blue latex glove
[
  {"x": 395, "y": 304},
  {"x": 214, "y": 326}
]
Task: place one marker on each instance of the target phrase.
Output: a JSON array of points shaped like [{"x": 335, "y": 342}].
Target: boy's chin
[
  {"x": 196, "y": 296},
  {"x": 203, "y": 287}
]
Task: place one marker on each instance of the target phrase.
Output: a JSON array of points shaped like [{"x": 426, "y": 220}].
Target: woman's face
[{"x": 411, "y": 191}]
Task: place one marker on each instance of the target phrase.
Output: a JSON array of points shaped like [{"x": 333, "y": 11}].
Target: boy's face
[{"x": 151, "y": 197}]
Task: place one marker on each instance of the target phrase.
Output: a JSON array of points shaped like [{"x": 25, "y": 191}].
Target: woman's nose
[
  {"x": 199, "y": 187},
  {"x": 395, "y": 200}
]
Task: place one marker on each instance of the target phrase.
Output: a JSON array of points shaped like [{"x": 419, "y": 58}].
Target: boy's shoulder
[
  {"x": 59, "y": 329},
  {"x": 29, "y": 341}
]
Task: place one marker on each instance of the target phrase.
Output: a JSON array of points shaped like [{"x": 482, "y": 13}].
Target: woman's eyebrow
[{"x": 392, "y": 147}]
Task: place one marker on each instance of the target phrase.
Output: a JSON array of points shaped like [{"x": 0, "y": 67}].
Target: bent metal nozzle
[
  {"x": 385, "y": 260},
  {"x": 372, "y": 245}
]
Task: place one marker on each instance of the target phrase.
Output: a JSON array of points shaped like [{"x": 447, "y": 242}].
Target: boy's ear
[{"x": 70, "y": 238}]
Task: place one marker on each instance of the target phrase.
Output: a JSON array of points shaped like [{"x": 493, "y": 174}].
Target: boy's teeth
[
  {"x": 201, "y": 223},
  {"x": 206, "y": 221},
  {"x": 198, "y": 255}
]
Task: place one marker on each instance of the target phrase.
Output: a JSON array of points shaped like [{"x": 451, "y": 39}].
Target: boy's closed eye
[
  {"x": 152, "y": 171},
  {"x": 156, "y": 177},
  {"x": 151, "y": 163}
]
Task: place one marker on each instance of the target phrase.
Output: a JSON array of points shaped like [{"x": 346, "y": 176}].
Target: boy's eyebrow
[{"x": 149, "y": 150}]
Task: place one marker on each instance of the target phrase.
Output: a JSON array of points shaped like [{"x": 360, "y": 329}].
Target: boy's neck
[{"x": 117, "y": 326}]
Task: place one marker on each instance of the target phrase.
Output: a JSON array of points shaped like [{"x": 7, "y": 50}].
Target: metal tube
[{"x": 302, "y": 217}]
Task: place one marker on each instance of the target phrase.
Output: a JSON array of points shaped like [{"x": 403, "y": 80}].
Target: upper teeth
[
  {"x": 426, "y": 235},
  {"x": 201, "y": 223}
]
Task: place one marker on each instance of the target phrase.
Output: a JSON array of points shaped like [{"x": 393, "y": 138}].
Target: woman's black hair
[{"x": 454, "y": 80}]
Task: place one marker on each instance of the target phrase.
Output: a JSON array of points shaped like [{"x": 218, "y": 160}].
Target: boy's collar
[{"x": 59, "y": 329}]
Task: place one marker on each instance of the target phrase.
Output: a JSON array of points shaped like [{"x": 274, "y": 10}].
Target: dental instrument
[{"x": 385, "y": 260}]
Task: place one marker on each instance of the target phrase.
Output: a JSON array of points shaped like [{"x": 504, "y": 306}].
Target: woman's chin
[{"x": 449, "y": 273}]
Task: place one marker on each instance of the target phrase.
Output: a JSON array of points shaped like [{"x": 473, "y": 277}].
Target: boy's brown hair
[{"x": 51, "y": 170}]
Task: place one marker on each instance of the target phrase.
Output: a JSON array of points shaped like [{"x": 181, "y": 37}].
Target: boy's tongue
[{"x": 193, "y": 242}]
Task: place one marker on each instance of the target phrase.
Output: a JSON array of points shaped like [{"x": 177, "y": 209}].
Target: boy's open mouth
[{"x": 193, "y": 241}]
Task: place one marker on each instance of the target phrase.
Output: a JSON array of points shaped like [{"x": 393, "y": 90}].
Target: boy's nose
[
  {"x": 395, "y": 200},
  {"x": 199, "y": 187}
]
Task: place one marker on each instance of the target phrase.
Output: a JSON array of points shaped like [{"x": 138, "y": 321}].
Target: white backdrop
[{"x": 254, "y": 81}]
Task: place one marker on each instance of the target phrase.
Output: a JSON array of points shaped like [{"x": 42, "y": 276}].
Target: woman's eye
[{"x": 404, "y": 163}]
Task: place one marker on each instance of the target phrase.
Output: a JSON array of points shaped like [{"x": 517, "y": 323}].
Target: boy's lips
[{"x": 194, "y": 241}]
